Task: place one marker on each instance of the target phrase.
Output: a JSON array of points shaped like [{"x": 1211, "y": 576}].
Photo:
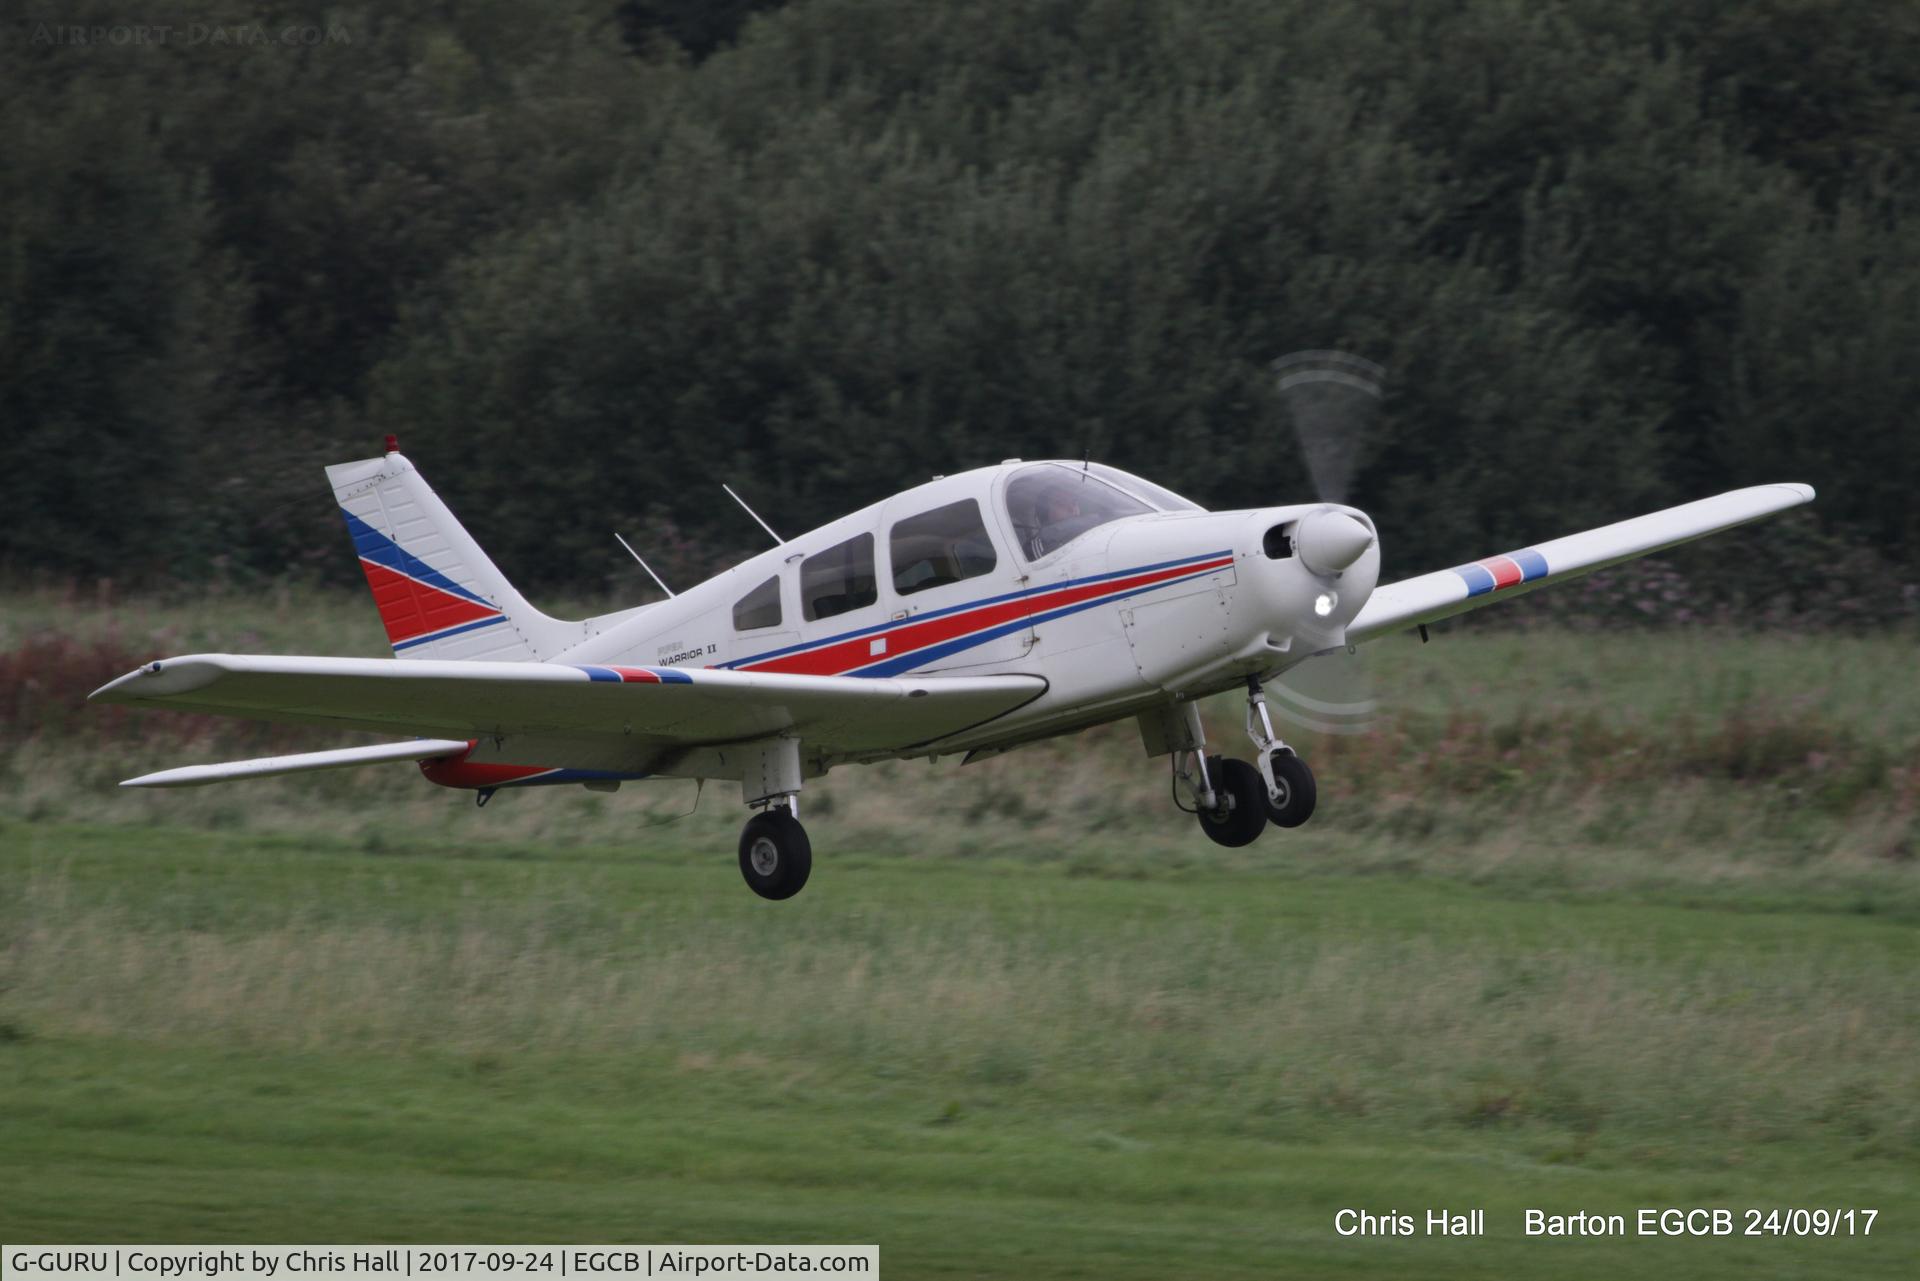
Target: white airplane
[{"x": 966, "y": 616}]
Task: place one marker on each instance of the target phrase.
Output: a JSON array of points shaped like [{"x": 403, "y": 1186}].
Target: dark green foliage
[
  {"x": 700, "y": 27},
  {"x": 1612, "y": 254}
]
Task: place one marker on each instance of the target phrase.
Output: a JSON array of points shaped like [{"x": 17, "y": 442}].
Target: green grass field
[{"x": 1586, "y": 922}]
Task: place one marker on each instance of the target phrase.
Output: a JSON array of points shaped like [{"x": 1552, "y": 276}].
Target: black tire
[
  {"x": 1243, "y": 793},
  {"x": 775, "y": 855},
  {"x": 1297, "y": 791}
]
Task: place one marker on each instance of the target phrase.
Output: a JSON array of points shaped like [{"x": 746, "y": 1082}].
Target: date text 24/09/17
[{"x": 1705, "y": 1221}]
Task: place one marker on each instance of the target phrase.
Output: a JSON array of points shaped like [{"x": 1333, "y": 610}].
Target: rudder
[{"x": 438, "y": 594}]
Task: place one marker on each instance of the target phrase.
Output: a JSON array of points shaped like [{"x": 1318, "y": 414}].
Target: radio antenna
[
  {"x": 756, "y": 516},
  {"x": 643, "y": 564}
]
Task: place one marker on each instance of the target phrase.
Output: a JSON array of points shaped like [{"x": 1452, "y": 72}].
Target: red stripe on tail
[{"x": 409, "y": 608}]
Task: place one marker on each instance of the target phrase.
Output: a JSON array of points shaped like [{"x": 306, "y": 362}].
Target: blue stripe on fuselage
[
  {"x": 892, "y": 624},
  {"x": 921, "y": 657}
]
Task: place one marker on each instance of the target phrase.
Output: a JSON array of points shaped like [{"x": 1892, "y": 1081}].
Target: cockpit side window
[
  {"x": 1051, "y": 505},
  {"x": 839, "y": 579},
  {"x": 939, "y": 547},
  {"x": 759, "y": 607}
]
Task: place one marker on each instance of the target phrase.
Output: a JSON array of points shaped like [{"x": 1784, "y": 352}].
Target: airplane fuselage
[{"x": 1166, "y": 602}]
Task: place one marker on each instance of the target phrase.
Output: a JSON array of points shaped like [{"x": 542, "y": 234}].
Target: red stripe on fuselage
[
  {"x": 409, "y": 608},
  {"x": 843, "y": 656}
]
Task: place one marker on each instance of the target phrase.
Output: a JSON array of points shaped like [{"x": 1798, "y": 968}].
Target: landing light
[{"x": 1323, "y": 603}]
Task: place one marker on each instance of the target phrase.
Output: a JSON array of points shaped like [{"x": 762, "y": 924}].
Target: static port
[{"x": 1278, "y": 543}]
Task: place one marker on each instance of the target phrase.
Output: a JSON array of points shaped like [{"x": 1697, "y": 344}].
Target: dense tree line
[{"x": 588, "y": 261}]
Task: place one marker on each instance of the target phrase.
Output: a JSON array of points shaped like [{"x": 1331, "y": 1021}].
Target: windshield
[
  {"x": 1050, "y": 505},
  {"x": 1145, "y": 490}
]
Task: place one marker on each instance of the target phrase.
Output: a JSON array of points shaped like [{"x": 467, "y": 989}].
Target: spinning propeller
[{"x": 1331, "y": 398}]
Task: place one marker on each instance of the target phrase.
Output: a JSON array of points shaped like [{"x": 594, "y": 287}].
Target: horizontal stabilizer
[{"x": 417, "y": 749}]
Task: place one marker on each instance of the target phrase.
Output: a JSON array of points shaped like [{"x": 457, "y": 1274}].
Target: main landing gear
[
  {"x": 1234, "y": 800},
  {"x": 775, "y": 855}
]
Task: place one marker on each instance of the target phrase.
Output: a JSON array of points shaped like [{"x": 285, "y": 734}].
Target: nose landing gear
[
  {"x": 1291, "y": 794},
  {"x": 1289, "y": 783}
]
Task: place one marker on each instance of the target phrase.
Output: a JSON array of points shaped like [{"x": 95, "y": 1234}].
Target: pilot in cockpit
[
  {"x": 1056, "y": 516},
  {"x": 1057, "y": 504},
  {"x": 1052, "y": 505}
]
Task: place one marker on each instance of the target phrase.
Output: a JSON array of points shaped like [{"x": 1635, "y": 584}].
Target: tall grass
[{"x": 1258, "y": 1028}]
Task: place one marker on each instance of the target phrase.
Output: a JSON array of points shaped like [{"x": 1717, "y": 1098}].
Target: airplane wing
[
  {"x": 1447, "y": 592},
  {"x": 631, "y": 712}
]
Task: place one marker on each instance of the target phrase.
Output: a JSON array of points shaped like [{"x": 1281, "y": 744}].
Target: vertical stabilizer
[{"x": 438, "y": 594}]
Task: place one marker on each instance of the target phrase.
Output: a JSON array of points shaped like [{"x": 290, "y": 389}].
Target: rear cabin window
[
  {"x": 759, "y": 607},
  {"x": 839, "y": 579},
  {"x": 939, "y": 547}
]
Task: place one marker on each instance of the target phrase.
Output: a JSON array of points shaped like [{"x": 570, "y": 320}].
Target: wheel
[
  {"x": 1294, "y": 805},
  {"x": 775, "y": 855},
  {"x": 1243, "y": 794}
]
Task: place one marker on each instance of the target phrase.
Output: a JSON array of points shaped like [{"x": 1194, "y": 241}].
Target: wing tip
[
  {"x": 117, "y": 690},
  {"x": 161, "y": 678},
  {"x": 176, "y": 777}
]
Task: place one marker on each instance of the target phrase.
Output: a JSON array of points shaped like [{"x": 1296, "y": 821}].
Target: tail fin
[{"x": 438, "y": 594}]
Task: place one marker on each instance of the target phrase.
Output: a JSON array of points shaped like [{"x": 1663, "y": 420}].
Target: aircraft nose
[{"x": 1330, "y": 541}]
